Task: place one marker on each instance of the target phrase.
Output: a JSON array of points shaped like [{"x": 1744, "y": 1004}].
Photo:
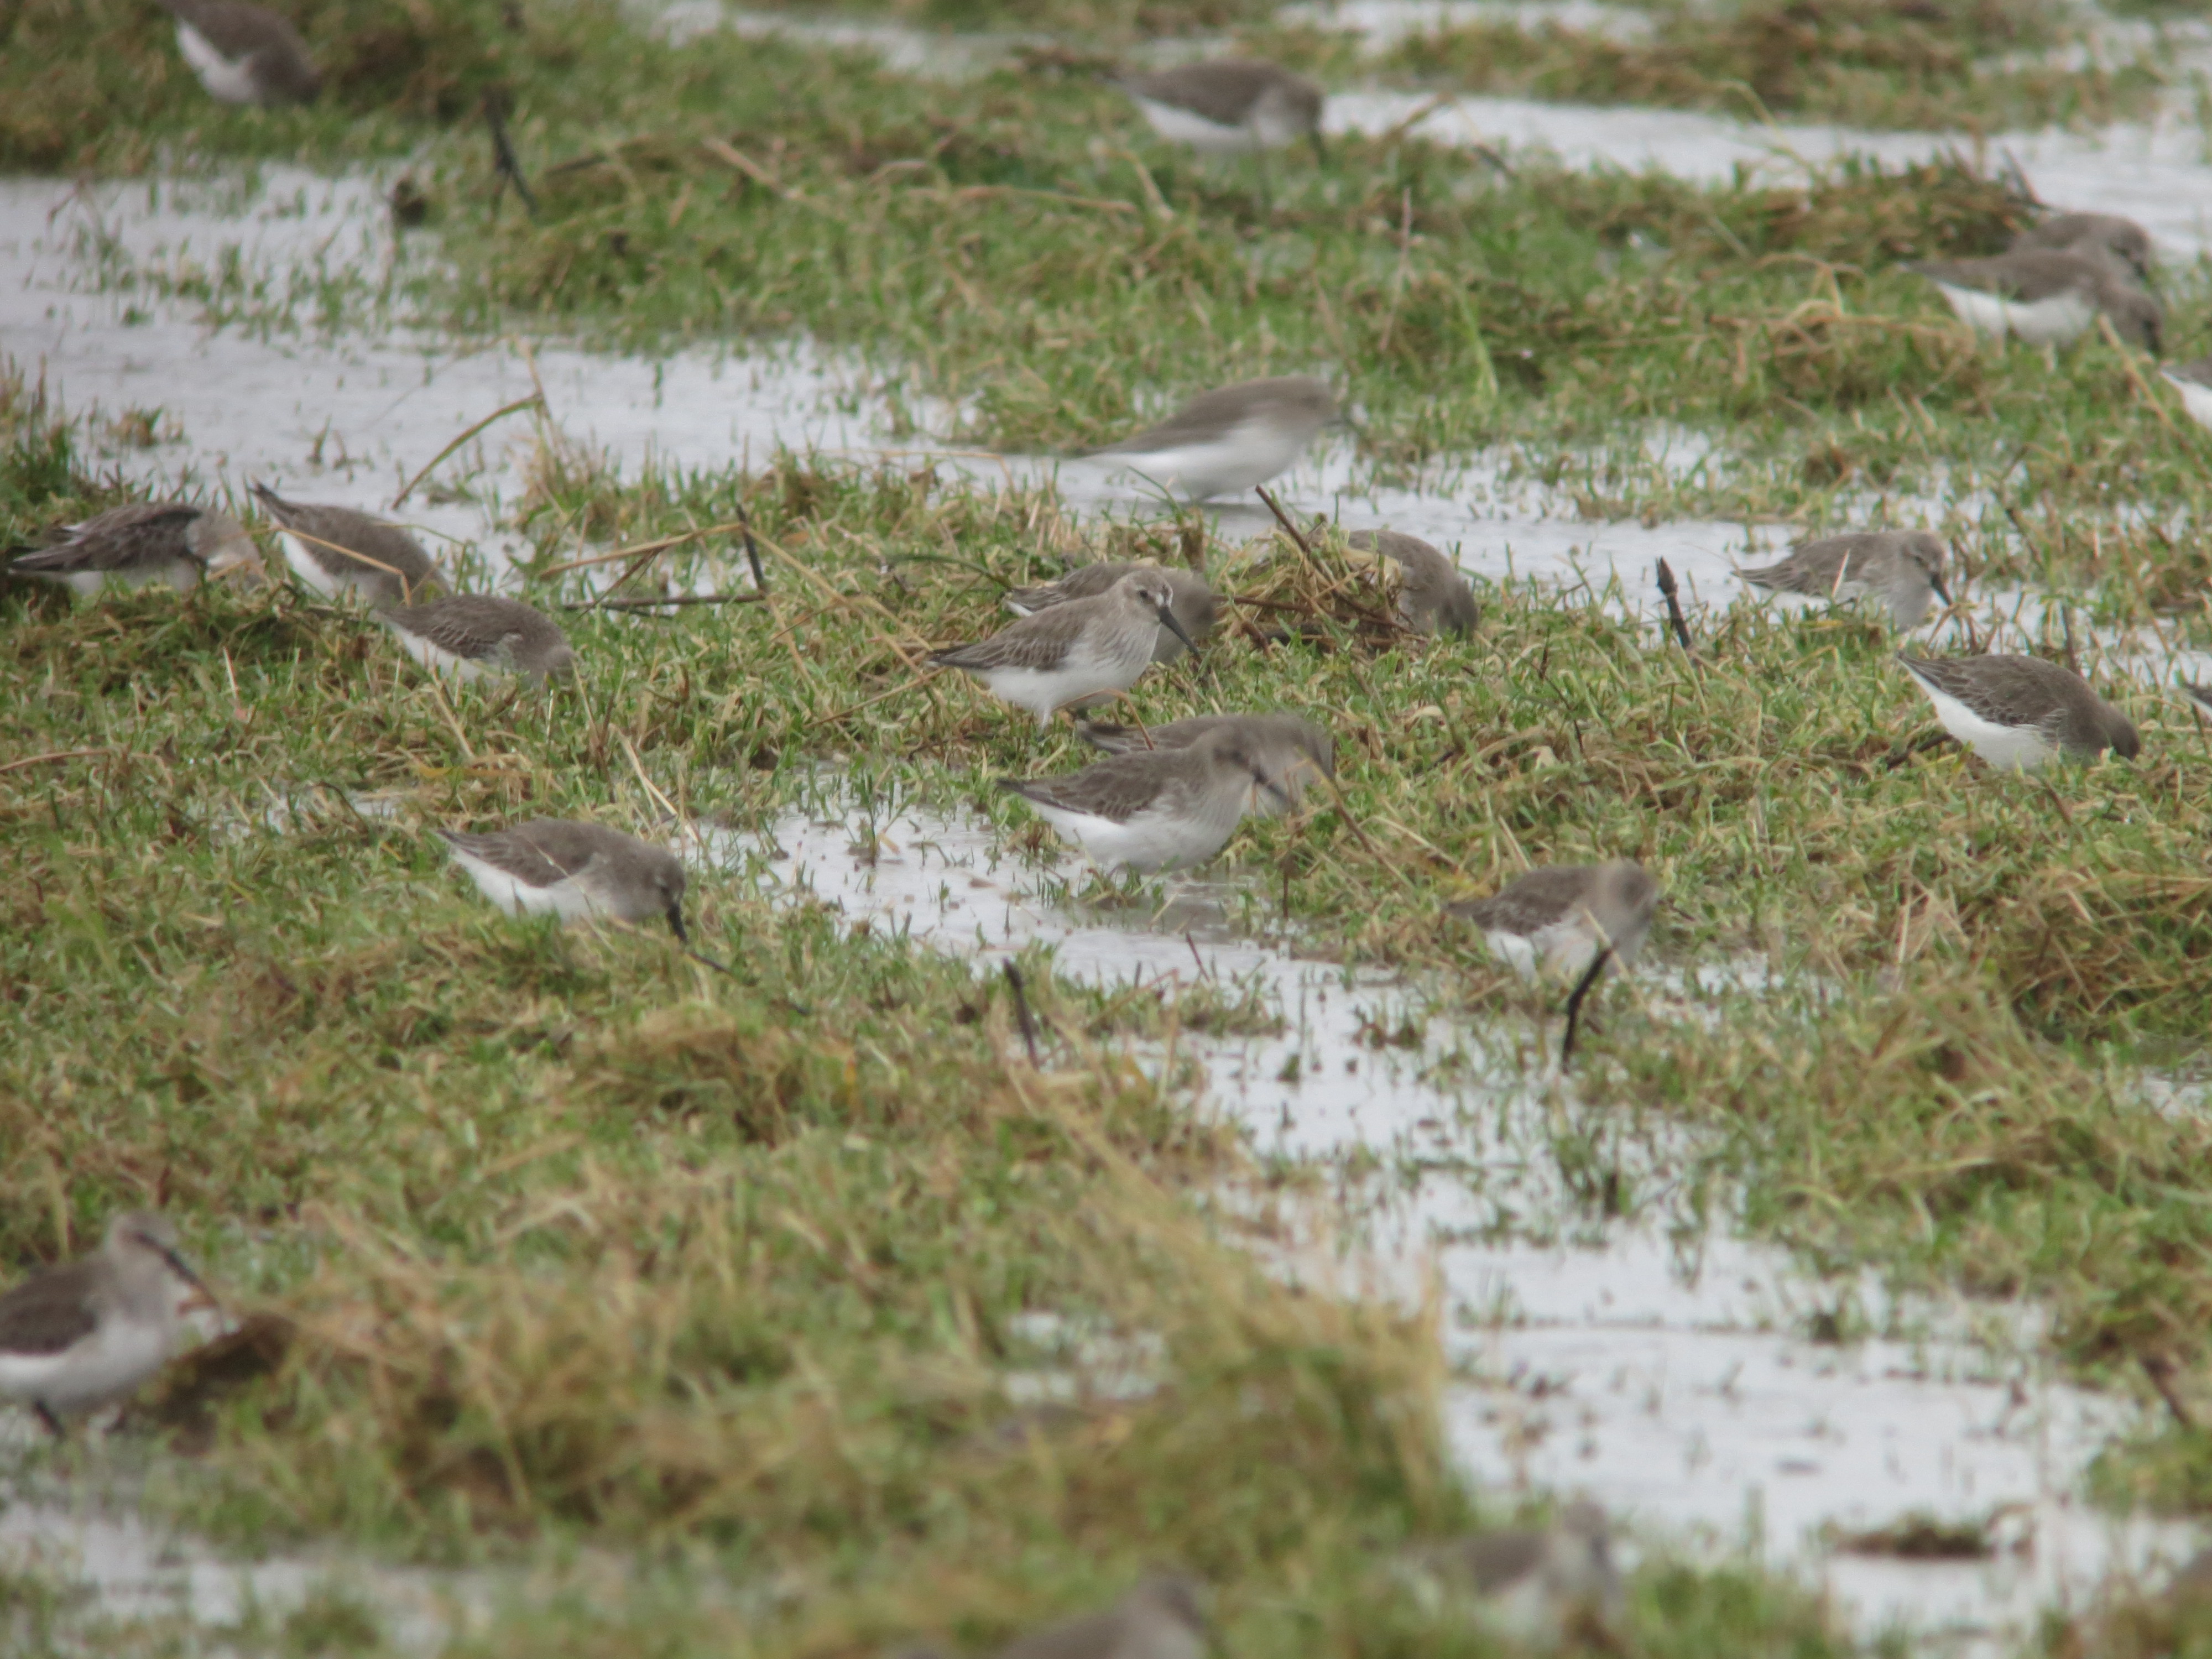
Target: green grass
[
  {"x": 587, "y": 1246},
  {"x": 1983, "y": 65},
  {"x": 1015, "y": 242}
]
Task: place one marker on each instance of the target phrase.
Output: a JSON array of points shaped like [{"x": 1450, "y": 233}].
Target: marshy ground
[{"x": 652, "y": 1311}]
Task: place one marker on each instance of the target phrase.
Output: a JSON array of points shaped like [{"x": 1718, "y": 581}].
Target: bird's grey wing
[
  {"x": 48, "y": 1311},
  {"x": 1208, "y": 416},
  {"x": 1221, "y": 92},
  {"x": 509, "y": 851},
  {"x": 2004, "y": 690},
  {"x": 1095, "y": 1635},
  {"x": 1118, "y": 789},
  {"x": 1492, "y": 1560},
  {"x": 1039, "y": 642},
  {"x": 339, "y": 533},
  {"x": 1536, "y": 900},
  {"x": 468, "y": 625},
  {"x": 2037, "y": 275},
  {"x": 143, "y": 532},
  {"x": 1084, "y": 582}
]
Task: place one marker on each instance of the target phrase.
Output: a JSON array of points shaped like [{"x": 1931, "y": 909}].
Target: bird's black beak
[
  {"x": 1941, "y": 592},
  {"x": 1167, "y": 621},
  {"x": 182, "y": 1268},
  {"x": 1272, "y": 788},
  {"x": 676, "y": 924}
]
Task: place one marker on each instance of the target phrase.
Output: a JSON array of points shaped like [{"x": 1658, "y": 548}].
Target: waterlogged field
[{"x": 796, "y": 1311}]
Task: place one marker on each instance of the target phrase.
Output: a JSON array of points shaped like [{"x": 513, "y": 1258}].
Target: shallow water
[
  {"x": 1679, "y": 1389},
  {"x": 1661, "y": 1367},
  {"x": 139, "y": 1573}
]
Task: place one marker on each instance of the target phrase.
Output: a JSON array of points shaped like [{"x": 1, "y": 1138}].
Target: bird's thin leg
[
  {"x": 1575, "y": 1001},
  {"x": 46, "y": 1416}
]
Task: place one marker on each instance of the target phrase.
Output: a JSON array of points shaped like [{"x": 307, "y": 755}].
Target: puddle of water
[
  {"x": 139, "y": 1573},
  {"x": 1382, "y": 24},
  {"x": 1677, "y": 1387},
  {"x": 351, "y": 418},
  {"x": 2155, "y": 172}
]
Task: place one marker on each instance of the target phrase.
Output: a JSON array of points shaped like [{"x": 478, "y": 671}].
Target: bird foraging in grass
[{"x": 1075, "y": 649}]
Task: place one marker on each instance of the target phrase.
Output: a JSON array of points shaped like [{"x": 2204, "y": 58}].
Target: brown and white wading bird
[
  {"x": 1563, "y": 920},
  {"x": 1433, "y": 595},
  {"x": 1075, "y": 649},
  {"x": 1290, "y": 750},
  {"x": 2193, "y": 380},
  {"x": 86, "y": 1334},
  {"x": 1230, "y": 440},
  {"x": 1903, "y": 567},
  {"x": 1192, "y": 604},
  {"x": 1158, "y": 809},
  {"x": 472, "y": 634},
  {"x": 336, "y": 550},
  {"x": 1161, "y": 1618},
  {"x": 578, "y": 872},
  {"x": 1531, "y": 1585},
  {"x": 140, "y": 543},
  {"x": 2103, "y": 232},
  {"x": 2019, "y": 713},
  {"x": 1231, "y": 107},
  {"x": 2045, "y": 296},
  {"x": 244, "y": 54}
]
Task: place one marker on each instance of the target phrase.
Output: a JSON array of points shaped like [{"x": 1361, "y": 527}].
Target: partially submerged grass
[
  {"x": 585, "y": 1245},
  {"x": 1016, "y": 244},
  {"x": 1982, "y": 65}
]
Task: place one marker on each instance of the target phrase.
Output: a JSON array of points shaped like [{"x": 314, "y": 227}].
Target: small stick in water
[
  {"x": 1022, "y": 1013},
  {"x": 1668, "y": 591},
  {"x": 1574, "y": 1002},
  {"x": 503, "y": 160}
]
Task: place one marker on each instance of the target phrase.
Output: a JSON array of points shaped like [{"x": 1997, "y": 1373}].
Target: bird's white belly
[
  {"x": 2012, "y": 747},
  {"x": 2196, "y": 400},
  {"x": 2052, "y": 321},
  {"x": 1560, "y": 949},
  {"x": 436, "y": 658},
  {"x": 563, "y": 898},
  {"x": 1150, "y": 841},
  {"x": 183, "y": 574},
  {"x": 304, "y": 567},
  {"x": 1243, "y": 457},
  {"x": 232, "y": 83},
  {"x": 1080, "y": 674},
  {"x": 103, "y": 1367},
  {"x": 1184, "y": 126}
]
